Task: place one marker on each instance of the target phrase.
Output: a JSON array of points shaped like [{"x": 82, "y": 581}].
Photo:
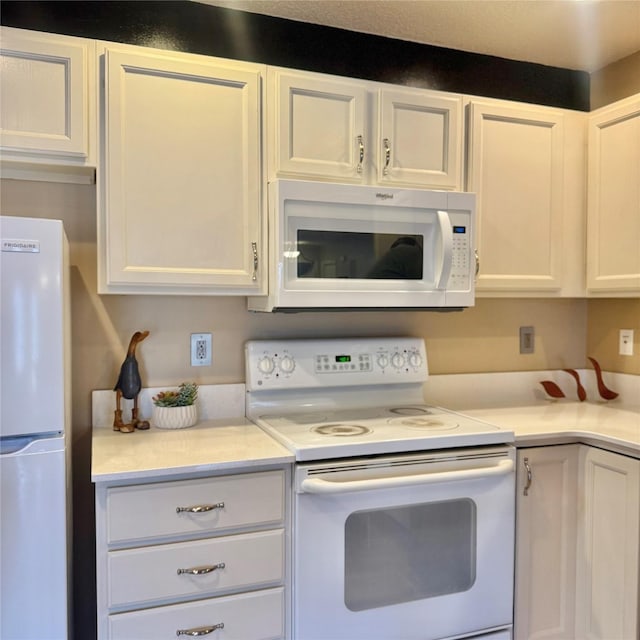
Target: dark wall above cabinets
[{"x": 228, "y": 33}]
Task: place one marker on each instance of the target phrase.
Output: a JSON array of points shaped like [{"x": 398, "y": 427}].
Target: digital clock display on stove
[{"x": 343, "y": 358}]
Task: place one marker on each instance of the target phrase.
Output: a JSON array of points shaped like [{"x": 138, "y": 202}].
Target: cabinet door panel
[
  {"x": 420, "y": 142},
  {"x": 545, "y": 543},
  {"x": 182, "y": 174},
  {"x": 613, "y": 238},
  {"x": 44, "y": 93},
  {"x": 319, "y": 126},
  {"x": 516, "y": 168},
  {"x": 608, "y": 542}
]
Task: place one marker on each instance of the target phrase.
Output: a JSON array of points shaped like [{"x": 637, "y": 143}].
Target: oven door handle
[{"x": 319, "y": 485}]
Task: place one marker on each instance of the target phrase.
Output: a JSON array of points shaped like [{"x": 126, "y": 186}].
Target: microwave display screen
[
  {"x": 357, "y": 255},
  {"x": 459, "y": 229}
]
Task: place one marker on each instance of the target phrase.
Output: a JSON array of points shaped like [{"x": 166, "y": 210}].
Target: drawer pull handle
[
  {"x": 200, "y": 571},
  {"x": 199, "y": 631},
  {"x": 200, "y": 508}
]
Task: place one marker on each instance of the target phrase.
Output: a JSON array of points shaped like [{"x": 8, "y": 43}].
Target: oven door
[
  {"x": 347, "y": 246},
  {"x": 418, "y": 546}
]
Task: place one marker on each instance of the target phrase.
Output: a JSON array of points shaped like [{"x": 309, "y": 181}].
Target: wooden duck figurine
[{"x": 128, "y": 386}]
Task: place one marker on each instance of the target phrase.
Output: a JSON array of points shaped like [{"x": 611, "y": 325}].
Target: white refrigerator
[{"x": 35, "y": 443}]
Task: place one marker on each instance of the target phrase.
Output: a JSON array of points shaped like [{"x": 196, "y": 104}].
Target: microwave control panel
[
  {"x": 461, "y": 258},
  {"x": 279, "y": 364}
]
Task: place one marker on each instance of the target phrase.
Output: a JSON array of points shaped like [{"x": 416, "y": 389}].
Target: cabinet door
[
  {"x": 545, "y": 542},
  {"x": 420, "y": 139},
  {"x": 317, "y": 126},
  {"x": 516, "y": 168},
  {"x": 609, "y": 537},
  {"x": 181, "y": 207},
  {"x": 44, "y": 94},
  {"x": 613, "y": 227}
]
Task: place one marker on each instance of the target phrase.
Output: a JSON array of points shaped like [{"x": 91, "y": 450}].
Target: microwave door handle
[
  {"x": 318, "y": 485},
  {"x": 447, "y": 248}
]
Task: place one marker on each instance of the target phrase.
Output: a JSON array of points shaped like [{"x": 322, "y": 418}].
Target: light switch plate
[
  {"x": 625, "y": 347},
  {"x": 527, "y": 339}
]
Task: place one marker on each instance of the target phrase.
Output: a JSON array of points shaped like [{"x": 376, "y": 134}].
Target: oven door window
[{"x": 409, "y": 553}]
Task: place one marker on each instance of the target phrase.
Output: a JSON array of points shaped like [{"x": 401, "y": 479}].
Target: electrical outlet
[
  {"x": 200, "y": 349},
  {"x": 527, "y": 339},
  {"x": 625, "y": 347}
]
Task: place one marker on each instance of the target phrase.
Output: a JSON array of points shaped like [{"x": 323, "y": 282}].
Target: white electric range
[
  {"x": 350, "y": 397},
  {"x": 403, "y": 513}
]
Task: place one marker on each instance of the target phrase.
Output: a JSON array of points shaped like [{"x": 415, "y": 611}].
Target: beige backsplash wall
[{"x": 484, "y": 338}]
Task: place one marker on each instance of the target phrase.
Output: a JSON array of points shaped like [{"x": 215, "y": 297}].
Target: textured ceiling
[{"x": 573, "y": 34}]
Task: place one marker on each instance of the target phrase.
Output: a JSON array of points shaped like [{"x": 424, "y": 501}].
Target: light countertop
[
  {"x": 222, "y": 443},
  {"x": 226, "y": 444},
  {"x": 599, "y": 424}
]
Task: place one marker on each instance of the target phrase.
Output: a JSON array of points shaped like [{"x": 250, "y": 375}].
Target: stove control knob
[
  {"x": 383, "y": 360},
  {"x": 415, "y": 359},
  {"x": 287, "y": 364},
  {"x": 397, "y": 360},
  {"x": 266, "y": 364}
]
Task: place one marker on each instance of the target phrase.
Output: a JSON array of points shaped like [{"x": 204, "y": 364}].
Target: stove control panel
[{"x": 289, "y": 364}]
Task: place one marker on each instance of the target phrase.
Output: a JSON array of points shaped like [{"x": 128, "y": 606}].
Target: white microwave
[{"x": 350, "y": 247}]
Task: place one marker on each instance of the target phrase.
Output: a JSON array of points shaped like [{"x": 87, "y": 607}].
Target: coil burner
[
  {"x": 341, "y": 430},
  {"x": 410, "y": 411}
]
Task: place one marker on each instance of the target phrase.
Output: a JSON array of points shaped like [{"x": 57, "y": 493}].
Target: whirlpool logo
[{"x": 384, "y": 196}]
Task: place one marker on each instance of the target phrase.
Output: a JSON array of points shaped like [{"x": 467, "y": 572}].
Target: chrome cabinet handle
[
  {"x": 200, "y": 508},
  {"x": 387, "y": 156},
  {"x": 199, "y": 631},
  {"x": 202, "y": 570},
  {"x": 527, "y": 486},
  {"x": 254, "y": 249},
  {"x": 360, "y": 140}
]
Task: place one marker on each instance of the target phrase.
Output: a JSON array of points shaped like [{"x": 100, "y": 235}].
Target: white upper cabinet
[
  {"x": 420, "y": 140},
  {"x": 529, "y": 179},
  {"x": 316, "y": 126},
  {"x": 337, "y": 129},
  {"x": 613, "y": 226},
  {"x": 46, "y": 93},
  {"x": 180, "y": 208}
]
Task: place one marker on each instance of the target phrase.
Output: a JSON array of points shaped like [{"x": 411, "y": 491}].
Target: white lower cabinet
[
  {"x": 200, "y": 557},
  {"x": 577, "y": 544},
  {"x": 546, "y": 517},
  {"x": 607, "y": 604}
]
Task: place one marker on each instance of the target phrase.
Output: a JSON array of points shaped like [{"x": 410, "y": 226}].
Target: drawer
[
  {"x": 249, "y": 616},
  {"x": 147, "y": 511},
  {"x": 152, "y": 574}
]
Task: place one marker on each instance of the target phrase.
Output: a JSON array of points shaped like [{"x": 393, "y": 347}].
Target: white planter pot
[{"x": 174, "y": 417}]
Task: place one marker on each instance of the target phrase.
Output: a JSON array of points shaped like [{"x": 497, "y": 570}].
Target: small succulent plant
[{"x": 185, "y": 396}]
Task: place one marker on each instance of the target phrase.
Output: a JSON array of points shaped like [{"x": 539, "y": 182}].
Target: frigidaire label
[
  {"x": 21, "y": 246},
  {"x": 384, "y": 196}
]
